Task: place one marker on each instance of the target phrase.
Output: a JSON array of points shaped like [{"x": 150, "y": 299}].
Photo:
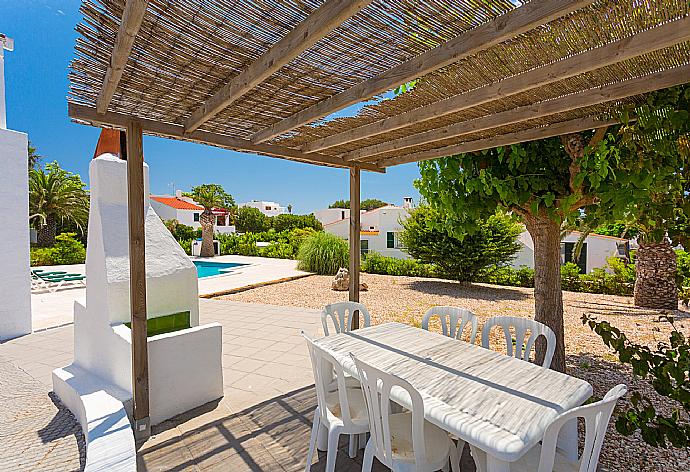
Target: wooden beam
[
  {"x": 132, "y": 17},
  {"x": 666, "y": 35},
  {"x": 325, "y": 19},
  {"x": 117, "y": 120},
  {"x": 502, "y": 28},
  {"x": 137, "y": 278},
  {"x": 603, "y": 94},
  {"x": 556, "y": 129},
  {"x": 355, "y": 243}
]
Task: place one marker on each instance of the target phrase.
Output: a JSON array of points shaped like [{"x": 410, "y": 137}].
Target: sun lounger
[{"x": 53, "y": 281}]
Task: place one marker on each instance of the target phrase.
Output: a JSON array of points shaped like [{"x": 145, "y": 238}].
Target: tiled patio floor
[{"x": 263, "y": 422}]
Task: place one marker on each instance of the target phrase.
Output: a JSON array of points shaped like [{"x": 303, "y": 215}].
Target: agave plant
[{"x": 56, "y": 195}]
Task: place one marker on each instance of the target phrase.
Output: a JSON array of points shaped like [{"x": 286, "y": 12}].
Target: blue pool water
[{"x": 209, "y": 269}]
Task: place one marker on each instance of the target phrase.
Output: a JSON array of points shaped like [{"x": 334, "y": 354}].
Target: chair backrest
[
  {"x": 449, "y": 317},
  {"x": 596, "y": 416},
  {"x": 523, "y": 343},
  {"x": 325, "y": 368},
  {"x": 377, "y": 386},
  {"x": 342, "y": 314}
]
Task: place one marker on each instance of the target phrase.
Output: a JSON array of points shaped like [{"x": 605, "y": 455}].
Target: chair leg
[
  {"x": 312, "y": 439},
  {"x": 455, "y": 453},
  {"x": 368, "y": 461},
  {"x": 362, "y": 441},
  {"x": 352, "y": 451},
  {"x": 332, "y": 454}
]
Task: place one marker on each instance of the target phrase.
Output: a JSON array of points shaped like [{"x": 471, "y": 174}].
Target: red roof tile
[{"x": 177, "y": 203}]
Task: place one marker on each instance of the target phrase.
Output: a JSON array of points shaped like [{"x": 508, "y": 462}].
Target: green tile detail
[{"x": 166, "y": 324}]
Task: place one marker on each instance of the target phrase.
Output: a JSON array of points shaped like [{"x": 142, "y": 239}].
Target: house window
[
  {"x": 364, "y": 246},
  {"x": 342, "y": 215},
  {"x": 196, "y": 217},
  {"x": 220, "y": 220},
  {"x": 390, "y": 240},
  {"x": 567, "y": 255},
  {"x": 268, "y": 208}
]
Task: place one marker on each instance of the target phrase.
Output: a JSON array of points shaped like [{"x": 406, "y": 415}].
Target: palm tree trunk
[
  {"x": 548, "y": 296},
  {"x": 206, "y": 220},
  {"x": 655, "y": 268},
  {"x": 46, "y": 232}
]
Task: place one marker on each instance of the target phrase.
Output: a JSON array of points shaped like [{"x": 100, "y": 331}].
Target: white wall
[
  {"x": 15, "y": 283},
  {"x": 275, "y": 208},
  {"x": 382, "y": 220},
  {"x": 166, "y": 212},
  {"x": 331, "y": 215},
  {"x": 599, "y": 249}
]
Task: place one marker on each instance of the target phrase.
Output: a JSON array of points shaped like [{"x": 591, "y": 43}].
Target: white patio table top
[{"x": 497, "y": 403}]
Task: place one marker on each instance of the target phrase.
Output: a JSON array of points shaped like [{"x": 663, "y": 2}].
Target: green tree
[
  {"x": 460, "y": 256},
  {"x": 251, "y": 220},
  {"x": 56, "y": 195},
  {"x": 209, "y": 196},
  {"x": 366, "y": 205},
  {"x": 650, "y": 188},
  {"x": 288, "y": 221},
  {"x": 545, "y": 182},
  {"x": 34, "y": 157}
]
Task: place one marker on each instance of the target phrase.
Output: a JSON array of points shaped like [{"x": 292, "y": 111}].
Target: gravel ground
[{"x": 405, "y": 299}]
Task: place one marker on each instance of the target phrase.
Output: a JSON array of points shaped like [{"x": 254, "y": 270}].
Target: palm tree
[
  {"x": 210, "y": 196},
  {"x": 56, "y": 195}
]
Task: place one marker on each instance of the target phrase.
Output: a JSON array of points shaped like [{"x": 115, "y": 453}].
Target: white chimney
[
  {"x": 178, "y": 193},
  {"x": 5, "y": 43},
  {"x": 407, "y": 202}
]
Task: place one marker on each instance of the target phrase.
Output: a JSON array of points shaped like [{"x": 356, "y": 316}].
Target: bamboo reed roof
[{"x": 186, "y": 51}]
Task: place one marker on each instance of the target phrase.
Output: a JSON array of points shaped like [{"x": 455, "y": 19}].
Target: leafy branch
[{"x": 666, "y": 369}]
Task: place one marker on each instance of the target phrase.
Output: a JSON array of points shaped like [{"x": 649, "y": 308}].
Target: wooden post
[
  {"x": 137, "y": 279},
  {"x": 355, "y": 228}
]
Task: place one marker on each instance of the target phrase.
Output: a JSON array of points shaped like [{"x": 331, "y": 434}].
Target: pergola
[{"x": 266, "y": 77}]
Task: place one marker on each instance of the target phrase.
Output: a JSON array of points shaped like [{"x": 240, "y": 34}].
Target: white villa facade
[
  {"x": 596, "y": 250},
  {"x": 267, "y": 208},
  {"x": 187, "y": 212},
  {"x": 380, "y": 229}
]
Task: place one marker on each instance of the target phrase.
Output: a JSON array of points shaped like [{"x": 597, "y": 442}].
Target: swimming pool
[{"x": 210, "y": 269}]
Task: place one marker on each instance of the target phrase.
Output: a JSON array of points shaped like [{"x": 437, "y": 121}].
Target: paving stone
[{"x": 37, "y": 433}]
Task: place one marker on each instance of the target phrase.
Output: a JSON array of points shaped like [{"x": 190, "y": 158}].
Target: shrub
[
  {"x": 571, "y": 277},
  {"x": 375, "y": 263},
  {"x": 289, "y": 222},
  {"x": 66, "y": 250},
  {"x": 323, "y": 253},
  {"x": 506, "y": 275},
  {"x": 463, "y": 257},
  {"x": 683, "y": 261},
  {"x": 251, "y": 220},
  {"x": 278, "y": 250}
]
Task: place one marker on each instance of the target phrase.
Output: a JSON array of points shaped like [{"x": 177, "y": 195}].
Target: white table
[{"x": 496, "y": 403}]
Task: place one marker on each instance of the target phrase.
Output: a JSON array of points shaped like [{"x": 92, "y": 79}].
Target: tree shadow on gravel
[
  {"x": 620, "y": 309},
  {"x": 467, "y": 290}
]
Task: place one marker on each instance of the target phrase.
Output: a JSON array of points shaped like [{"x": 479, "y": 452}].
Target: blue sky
[{"x": 36, "y": 90}]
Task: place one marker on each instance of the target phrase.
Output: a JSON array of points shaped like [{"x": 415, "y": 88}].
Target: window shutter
[{"x": 390, "y": 240}]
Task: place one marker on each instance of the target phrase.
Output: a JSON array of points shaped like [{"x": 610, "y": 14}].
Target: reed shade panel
[{"x": 186, "y": 50}]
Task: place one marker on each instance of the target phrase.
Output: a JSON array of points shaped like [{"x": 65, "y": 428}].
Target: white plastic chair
[
  {"x": 449, "y": 317},
  {"x": 341, "y": 410},
  {"x": 523, "y": 344},
  {"x": 546, "y": 457},
  {"x": 341, "y": 315},
  {"x": 403, "y": 442}
]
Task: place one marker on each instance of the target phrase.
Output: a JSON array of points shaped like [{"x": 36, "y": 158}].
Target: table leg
[
  {"x": 496, "y": 465},
  {"x": 567, "y": 440}
]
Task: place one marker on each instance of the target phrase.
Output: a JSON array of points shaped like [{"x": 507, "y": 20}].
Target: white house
[
  {"x": 186, "y": 211},
  {"x": 380, "y": 228},
  {"x": 267, "y": 208},
  {"x": 596, "y": 250},
  {"x": 331, "y": 215}
]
